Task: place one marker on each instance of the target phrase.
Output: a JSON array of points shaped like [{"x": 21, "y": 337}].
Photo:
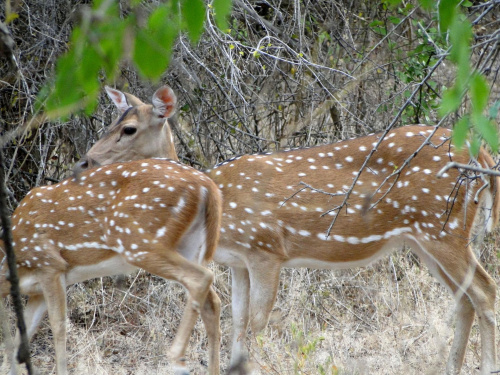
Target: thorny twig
[
  {"x": 472, "y": 168},
  {"x": 398, "y": 171},
  {"x": 410, "y": 14},
  {"x": 468, "y": 167},
  {"x": 306, "y": 186}
]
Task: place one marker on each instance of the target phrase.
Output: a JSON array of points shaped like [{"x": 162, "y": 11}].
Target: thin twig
[{"x": 468, "y": 167}]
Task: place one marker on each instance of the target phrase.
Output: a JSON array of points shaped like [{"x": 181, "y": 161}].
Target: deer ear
[
  {"x": 164, "y": 102},
  {"x": 134, "y": 101},
  {"x": 118, "y": 98}
]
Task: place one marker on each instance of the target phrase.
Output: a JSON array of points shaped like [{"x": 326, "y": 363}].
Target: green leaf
[
  {"x": 193, "y": 15},
  {"x": 463, "y": 76},
  {"x": 451, "y": 101},
  {"x": 164, "y": 22},
  {"x": 380, "y": 30},
  {"x": 428, "y": 5},
  {"x": 392, "y": 3},
  {"x": 153, "y": 45},
  {"x": 87, "y": 70},
  {"x": 149, "y": 56},
  {"x": 376, "y": 23},
  {"x": 394, "y": 20},
  {"x": 487, "y": 129},
  {"x": 475, "y": 144},
  {"x": 460, "y": 38},
  {"x": 164, "y": 19},
  {"x": 460, "y": 131},
  {"x": 447, "y": 13},
  {"x": 91, "y": 103},
  {"x": 110, "y": 46},
  {"x": 97, "y": 4},
  {"x": 222, "y": 10},
  {"x": 65, "y": 93},
  {"x": 493, "y": 112},
  {"x": 11, "y": 17},
  {"x": 77, "y": 40},
  {"x": 42, "y": 96},
  {"x": 479, "y": 93}
]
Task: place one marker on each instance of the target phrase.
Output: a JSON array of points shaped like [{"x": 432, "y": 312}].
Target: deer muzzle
[{"x": 84, "y": 164}]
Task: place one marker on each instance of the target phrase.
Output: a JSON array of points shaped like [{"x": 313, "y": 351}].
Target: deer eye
[{"x": 128, "y": 130}]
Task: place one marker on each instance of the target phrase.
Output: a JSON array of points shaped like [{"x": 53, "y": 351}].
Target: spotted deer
[
  {"x": 153, "y": 214},
  {"x": 340, "y": 205}
]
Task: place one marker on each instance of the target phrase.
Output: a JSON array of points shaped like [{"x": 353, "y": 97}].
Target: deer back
[{"x": 303, "y": 204}]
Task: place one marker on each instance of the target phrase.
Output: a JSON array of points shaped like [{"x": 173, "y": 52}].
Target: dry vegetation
[
  {"x": 289, "y": 73},
  {"x": 389, "y": 318}
]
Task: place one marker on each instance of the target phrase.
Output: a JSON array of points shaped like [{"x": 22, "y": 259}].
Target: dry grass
[{"x": 389, "y": 318}]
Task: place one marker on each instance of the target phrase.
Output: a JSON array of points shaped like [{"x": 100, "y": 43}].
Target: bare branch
[{"x": 467, "y": 167}]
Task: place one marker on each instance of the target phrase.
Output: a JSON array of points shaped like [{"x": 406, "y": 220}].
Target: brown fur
[{"x": 135, "y": 214}]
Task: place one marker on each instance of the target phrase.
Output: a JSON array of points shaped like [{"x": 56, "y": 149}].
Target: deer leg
[
  {"x": 475, "y": 291},
  {"x": 181, "y": 339},
  {"x": 240, "y": 303},
  {"x": 210, "y": 314},
  {"x": 482, "y": 293},
  {"x": 33, "y": 314},
  {"x": 54, "y": 292},
  {"x": 197, "y": 280},
  {"x": 465, "y": 318},
  {"x": 264, "y": 282}
]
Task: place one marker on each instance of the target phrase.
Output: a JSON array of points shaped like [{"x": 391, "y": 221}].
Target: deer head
[{"x": 140, "y": 132}]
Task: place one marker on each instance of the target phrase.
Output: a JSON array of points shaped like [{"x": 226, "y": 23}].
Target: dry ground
[{"x": 389, "y": 318}]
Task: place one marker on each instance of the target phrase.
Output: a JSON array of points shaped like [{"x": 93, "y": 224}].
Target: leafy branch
[{"x": 104, "y": 38}]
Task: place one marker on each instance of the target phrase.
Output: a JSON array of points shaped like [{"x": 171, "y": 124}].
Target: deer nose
[{"x": 84, "y": 164}]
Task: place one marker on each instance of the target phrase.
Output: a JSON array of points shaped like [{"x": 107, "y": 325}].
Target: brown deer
[
  {"x": 337, "y": 206},
  {"x": 154, "y": 214}
]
